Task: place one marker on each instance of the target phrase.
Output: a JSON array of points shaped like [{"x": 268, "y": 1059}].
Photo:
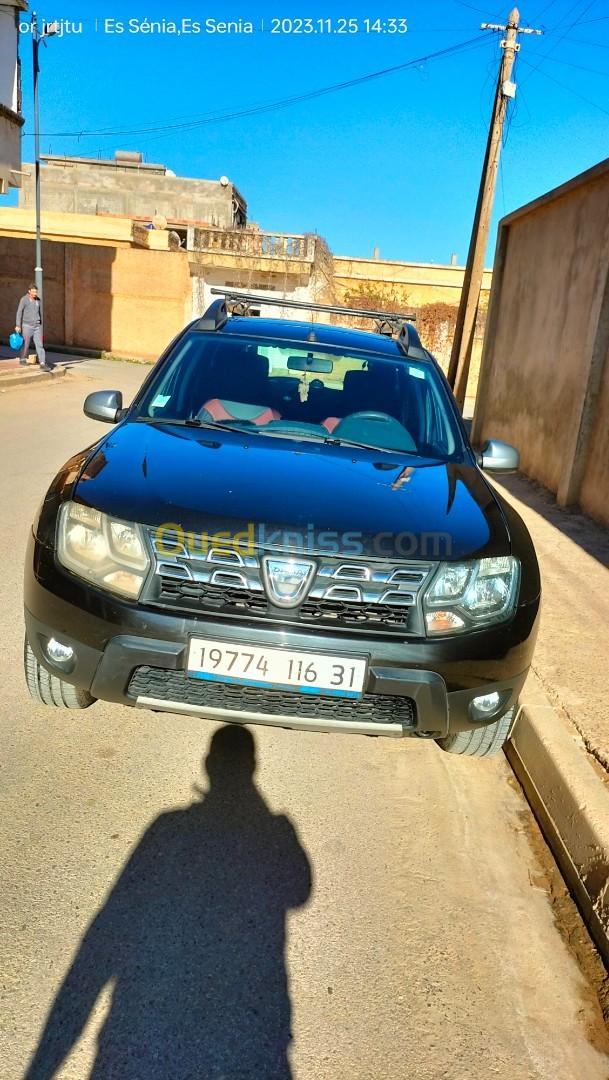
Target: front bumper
[{"x": 121, "y": 651}]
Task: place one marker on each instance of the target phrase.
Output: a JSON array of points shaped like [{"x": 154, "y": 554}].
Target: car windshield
[{"x": 303, "y": 391}]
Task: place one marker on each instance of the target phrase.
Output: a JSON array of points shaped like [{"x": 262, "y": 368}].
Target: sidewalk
[
  {"x": 12, "y": 373},
  {"x": 572, "y": 655},
  {"x": 560, "y": 746}
]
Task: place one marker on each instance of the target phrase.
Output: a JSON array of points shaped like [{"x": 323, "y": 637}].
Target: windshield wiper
[
  {"x": 193, "y": 422},
  {"x": 298, "y": 436},
  {"x": 219, "y": 425},
  {"x": 329, "y": 440},
  {"x": 369, "y": 446}
]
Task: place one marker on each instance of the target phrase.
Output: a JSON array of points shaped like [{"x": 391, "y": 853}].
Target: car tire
[
  {"x": 483, "y": 741},
  {"x": 47, "y": 689}
]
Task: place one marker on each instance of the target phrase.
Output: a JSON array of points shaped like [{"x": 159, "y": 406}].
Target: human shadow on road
[{"x": 192, "y": 940}]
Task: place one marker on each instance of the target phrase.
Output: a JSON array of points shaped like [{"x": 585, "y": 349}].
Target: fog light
[
  {"x": 58, "y": 653},
  {"x": 485, "y": 705}
]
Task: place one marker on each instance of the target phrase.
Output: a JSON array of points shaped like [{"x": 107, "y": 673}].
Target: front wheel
[
  {"x": 483, "y": 741},
  {"x": 47, "y": 689}
]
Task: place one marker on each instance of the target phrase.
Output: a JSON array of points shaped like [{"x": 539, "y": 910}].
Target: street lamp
[{"x": 37, "y": 37}]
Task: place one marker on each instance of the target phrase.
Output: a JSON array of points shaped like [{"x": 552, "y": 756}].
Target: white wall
[
  {"x": 202, "y": 296},
  {"x": 8, "y": 56}
]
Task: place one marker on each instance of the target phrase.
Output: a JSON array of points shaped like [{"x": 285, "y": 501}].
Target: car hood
[{"x": 280, "y": 493}]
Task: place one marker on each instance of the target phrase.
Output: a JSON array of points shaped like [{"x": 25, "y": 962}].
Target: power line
[
  {"x": 569, "y": 88},
  {"x": 578, "y": 67},
  {"x": 471, "y": 7},
  {"x": 579, "y": 41},
  {"x": 272, "y": 106},
  {"x": 598, "y": 44},
  {"x": 544, "y": 9},
  {"x": 565, "y": 32}
]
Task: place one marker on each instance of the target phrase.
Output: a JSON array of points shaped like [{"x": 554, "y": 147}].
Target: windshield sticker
[
  {"x": 160, "y": 401},
  {"x": 416, "y": 372}
]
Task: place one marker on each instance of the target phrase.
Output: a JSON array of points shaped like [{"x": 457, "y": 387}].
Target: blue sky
[{"x": 394, "y": 162}]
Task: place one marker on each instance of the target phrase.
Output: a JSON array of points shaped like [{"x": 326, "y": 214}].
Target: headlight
[
  {"x": 108, "y": 552},
  {"x": 464, "y": 596}
]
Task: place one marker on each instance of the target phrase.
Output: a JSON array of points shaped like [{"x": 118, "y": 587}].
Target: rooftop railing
[{"x": 252, "y": 242}]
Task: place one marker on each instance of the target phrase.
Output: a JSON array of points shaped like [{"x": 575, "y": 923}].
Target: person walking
[{"x": 29, "y": 324}]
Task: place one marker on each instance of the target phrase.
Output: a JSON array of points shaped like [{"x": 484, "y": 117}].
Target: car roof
[{"x": 297, "y": 331}]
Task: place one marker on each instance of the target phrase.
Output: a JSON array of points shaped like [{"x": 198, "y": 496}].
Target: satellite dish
[
  {"x": 224, "y": 181},
  {"x": 159, "y": 221}
]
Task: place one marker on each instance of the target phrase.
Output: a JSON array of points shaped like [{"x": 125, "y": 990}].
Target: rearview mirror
[
  {"x": 104, "y": 405},
  {"x": 310, "y": 363},
  {"x": 500, "y": 457}
]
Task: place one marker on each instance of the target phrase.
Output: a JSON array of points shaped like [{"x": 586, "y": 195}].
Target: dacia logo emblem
[{"x": 287, "y": 580}]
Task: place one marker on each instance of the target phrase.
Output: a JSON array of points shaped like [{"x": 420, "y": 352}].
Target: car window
[{"x": 300, "y": 389}]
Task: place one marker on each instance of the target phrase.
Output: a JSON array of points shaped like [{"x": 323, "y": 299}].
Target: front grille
[
  {"x": 375, "y": 595},
  {"x": 166, "y": 685},
  {"x": 210, "y": 597},
  {"x": 198, "y": 597},
  {"x": 343, "y": 612}
]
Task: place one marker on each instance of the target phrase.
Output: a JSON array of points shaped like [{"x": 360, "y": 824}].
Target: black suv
[{"x": 288, "y": 526}]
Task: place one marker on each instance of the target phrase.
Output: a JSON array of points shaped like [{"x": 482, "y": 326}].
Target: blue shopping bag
[{"x": 15, "y": 341}]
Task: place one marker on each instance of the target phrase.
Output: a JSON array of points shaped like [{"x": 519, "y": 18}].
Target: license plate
[{"x": 280, "y": 669}]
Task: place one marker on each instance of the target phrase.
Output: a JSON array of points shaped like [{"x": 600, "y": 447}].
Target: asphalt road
[{"x": 171, "y": 918}]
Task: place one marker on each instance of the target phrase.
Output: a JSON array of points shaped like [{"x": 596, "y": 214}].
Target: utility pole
[
  {"x": 37, "y": 38},
  {"x": 460, "y": 358},
  {"x": 36, "y": 69}
]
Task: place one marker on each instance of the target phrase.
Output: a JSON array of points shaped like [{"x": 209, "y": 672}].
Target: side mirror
[
  {"x": 500, "y": 457},
  {"x": 104, "y": 405}
]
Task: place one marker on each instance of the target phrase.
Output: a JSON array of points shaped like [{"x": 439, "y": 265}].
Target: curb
[
  {"x": 91, "y": 354},
  {"x": 70, "y": 350},
  {"x": 570, "y": 800},
  {"x": 20, "y": 378}
]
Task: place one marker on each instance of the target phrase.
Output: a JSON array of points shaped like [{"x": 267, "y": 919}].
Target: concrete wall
[
  {"x": 429, "y": 290},
  {"x": 125, "y": 301},
  {"x": 594, "y": 491},
  {"x": 544, "y": 385},
  {"x": 9, "y": 40},
  {"x": 293, "y": 288},
  {"x": 422, "y": 282},
  {"x": 74, "y": 186},
  {"x": 72, "y": 228},
  {"x": 118, "y": 286},
  {"x": 104, "y": 229},
  {"x": 16, "y": 273},
  {"x": 11, "y": 122},
  {"x": 10, "y": 150}
]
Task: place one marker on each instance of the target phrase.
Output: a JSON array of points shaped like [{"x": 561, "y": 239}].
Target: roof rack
[
  {"x": 244, "y": 299},
  {"x": 391, "y": 324}
]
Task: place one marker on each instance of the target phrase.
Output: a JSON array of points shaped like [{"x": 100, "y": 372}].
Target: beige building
[
  {"x": 11, "y": 120},
  {"x": 127, "y": 185},
  {"x": 113, "y": 285},
  {"x": 175, "y": 284},
  {"x": 417, "y": 283},
  {"x": 545, "y": 372},
  {"x": 429, "y": 290}
]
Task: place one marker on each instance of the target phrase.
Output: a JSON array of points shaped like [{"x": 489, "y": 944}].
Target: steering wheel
[
  {"x": 369, "y": 414},
  {"x": 369, "y": 425}
]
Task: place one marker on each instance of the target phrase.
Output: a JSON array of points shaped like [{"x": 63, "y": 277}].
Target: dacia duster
[{"x": 287, "y": 526}]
